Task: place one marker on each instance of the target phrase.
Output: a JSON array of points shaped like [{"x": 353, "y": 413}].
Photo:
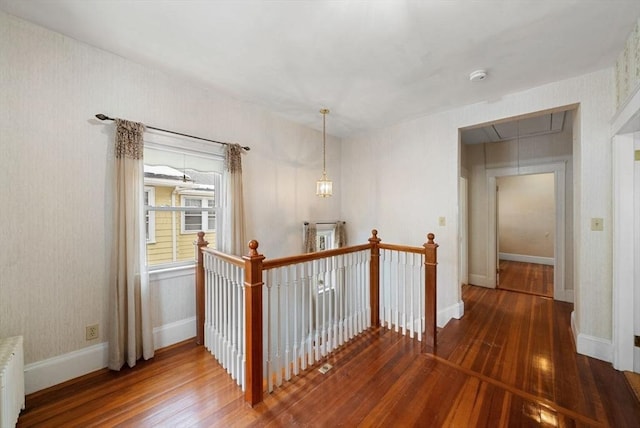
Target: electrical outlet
[
  {"x": 91, "y": 332},
  {"x": 442, "y": 221}
]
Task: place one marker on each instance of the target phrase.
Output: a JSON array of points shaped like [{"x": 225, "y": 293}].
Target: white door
[
  {"x": 497, "y": 226},
  {"x": 636, "y": 264}
]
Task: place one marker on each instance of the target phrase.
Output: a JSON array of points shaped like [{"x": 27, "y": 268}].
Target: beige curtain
[
  {"x": 233, "y": 236},
  {"x": 309, "y": 235},
  {"x": 131, "y": 335},
  {"x": 340, "y": 234}
]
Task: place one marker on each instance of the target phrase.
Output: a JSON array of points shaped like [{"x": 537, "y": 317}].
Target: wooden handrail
[
  {"x": 307, "y": 257},
  {"x": 230, "y": 258},
  {"x": 403, "y": 248}
]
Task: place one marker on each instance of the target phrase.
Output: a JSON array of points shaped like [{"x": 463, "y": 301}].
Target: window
[
  {"x": 181, "y": 185},
  {"x": 325, "y": 236},
  {"x": 194, "y": 221},
  {"x": 150, "y": 216}
]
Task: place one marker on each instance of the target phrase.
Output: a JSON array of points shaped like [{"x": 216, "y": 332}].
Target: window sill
[{"x": 161, "y": 273}]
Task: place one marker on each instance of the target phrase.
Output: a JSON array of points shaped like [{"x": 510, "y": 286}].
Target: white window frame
[
  {"x": 204, "y": 213},
  {"x": 327, "y": 232},
  {"x": 150, "y": 216},
  {"x": 170, "y": 143}
]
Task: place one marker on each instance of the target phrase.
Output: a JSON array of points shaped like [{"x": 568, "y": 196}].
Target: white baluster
[
  {"x": 403, "y": 283},
  {"x": 240, "y": 324},
  {"x": 412, "y": 284},
  {"x": 269, "y": 325},
  {"x": 243, "y": 337},
  {"x": 286, "y": 309},
  {"x": 310, "y": 300},
  {"x": 316, "y": 325},
  {"x": 234, "y": 318},
  {"x": 421, "y": 308}
]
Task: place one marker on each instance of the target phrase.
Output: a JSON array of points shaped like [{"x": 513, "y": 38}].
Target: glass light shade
[{"x": 324, "y": 187}]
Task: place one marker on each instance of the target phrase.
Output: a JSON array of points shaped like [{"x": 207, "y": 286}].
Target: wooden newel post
[
  {"x": 430, "y": 295},
  {"x": 201, "y": 243},
  {"x": 253, "y": 324},
  {"x": 374, "y": 278}
]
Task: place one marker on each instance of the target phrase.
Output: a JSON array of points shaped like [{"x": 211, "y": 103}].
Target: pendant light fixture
[{"x": 324, "y": 186}]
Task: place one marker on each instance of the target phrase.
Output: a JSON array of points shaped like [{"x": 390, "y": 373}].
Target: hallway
[{"x": 510, "y": 361}]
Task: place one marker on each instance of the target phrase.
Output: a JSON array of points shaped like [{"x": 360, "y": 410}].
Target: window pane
[
  {"x": 211, "y": 216},
  {"x": 192, "y": 220},
  {"x": 179, "y": 180},
  {"x": 192, "y": 202}
]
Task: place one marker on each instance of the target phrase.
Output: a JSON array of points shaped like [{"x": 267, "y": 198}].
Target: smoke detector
[{"x": 478, "y": 75}]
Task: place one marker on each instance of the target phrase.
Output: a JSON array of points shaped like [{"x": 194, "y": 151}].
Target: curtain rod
[
  {"x": 306, "y": 223},
  {"x": 105, "y": 117}
]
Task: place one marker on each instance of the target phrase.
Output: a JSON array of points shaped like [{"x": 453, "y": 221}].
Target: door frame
[
  {"x": 558, "y": 169},
  {"x": 626, "y": 272},
  {"x": 463, "y": 228}
]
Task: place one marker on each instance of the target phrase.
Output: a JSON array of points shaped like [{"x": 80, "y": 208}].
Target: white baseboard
[
  {"x": 454, "y": 311},
  {"x": 481, "y": 280},
  {"x": 52, "y": 371},
  {"x": 174, "y": 332},
  {"x": 527, "y": 259},
  {"x": 591, "y": 346}
]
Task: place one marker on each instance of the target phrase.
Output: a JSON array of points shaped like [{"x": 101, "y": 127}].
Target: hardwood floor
[
  {"x": 528, "y": 278},
  {"x": 509, "y": 361}
]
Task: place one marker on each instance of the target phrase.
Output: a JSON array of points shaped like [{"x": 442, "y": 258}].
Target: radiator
[{"x": 11, "y": 380}]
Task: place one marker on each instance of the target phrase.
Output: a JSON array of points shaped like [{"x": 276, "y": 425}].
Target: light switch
[
  {"x": 596, "y": 224},
  {"x": 442, "y": 221}
]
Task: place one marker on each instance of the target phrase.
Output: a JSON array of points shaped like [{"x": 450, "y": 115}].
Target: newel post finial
[
  {"x": 253, "y": 247},
  {"x": 430, "y": 238},
  {"x": 201, "y": 241}
]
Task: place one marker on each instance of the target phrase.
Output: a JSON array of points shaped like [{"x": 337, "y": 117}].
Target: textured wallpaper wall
[
  {"x": 628, "y": 68},
  {"x": 425, "y": 187},
  {"x": 55, "y": 176}
]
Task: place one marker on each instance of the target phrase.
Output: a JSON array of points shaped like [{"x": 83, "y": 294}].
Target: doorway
[
  {"x": 558, "y": 171},
  {"x": 536, "y": 144},
  {"x": 525, "y": 227}
]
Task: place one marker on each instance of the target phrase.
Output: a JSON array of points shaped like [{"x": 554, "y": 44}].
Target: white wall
[
  {"x": 401, "y": 179},
  {"x": 526, "y": 213},
  {"x": 55, "y": 177}
]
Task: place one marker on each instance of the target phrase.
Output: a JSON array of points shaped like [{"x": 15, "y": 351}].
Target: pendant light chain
[
  {"x": 324, "y": 112},
  {"x": 324, "y": 186}
]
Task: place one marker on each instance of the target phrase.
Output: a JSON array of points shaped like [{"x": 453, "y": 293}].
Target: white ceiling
[{"x": 373, "y": 63}]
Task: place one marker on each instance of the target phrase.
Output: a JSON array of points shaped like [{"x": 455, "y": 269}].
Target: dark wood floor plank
[
  {"x": 510, "y": 361},
  {"x": 530, "y": 278}
]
